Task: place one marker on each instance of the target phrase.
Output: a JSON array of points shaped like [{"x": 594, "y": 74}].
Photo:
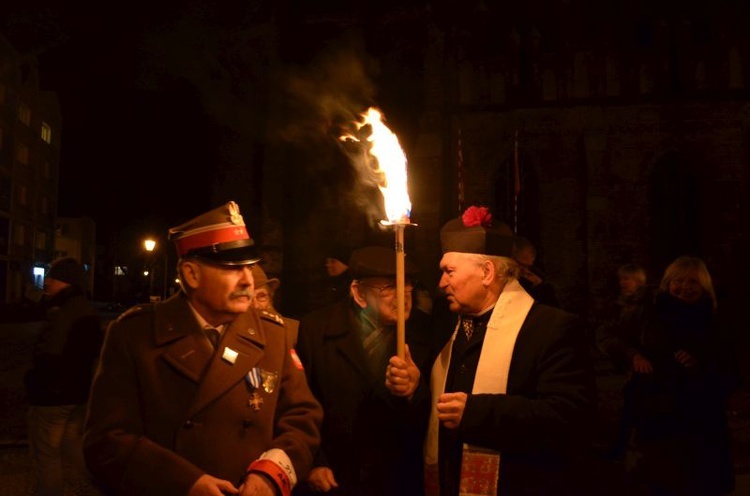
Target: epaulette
[
  {"x": 273, "y": 317},
  {"x": 135, "y": 310}
]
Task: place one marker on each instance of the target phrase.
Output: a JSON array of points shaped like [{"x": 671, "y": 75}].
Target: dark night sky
[
  {"x": 141, "y": 91},
  {"x": 123, "y": 144}
]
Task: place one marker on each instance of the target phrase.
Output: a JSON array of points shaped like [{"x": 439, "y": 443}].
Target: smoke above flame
[{"x": 386, "y": 162}]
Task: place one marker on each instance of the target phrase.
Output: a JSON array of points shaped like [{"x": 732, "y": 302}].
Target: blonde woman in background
[{"x": 682, "y": 434}]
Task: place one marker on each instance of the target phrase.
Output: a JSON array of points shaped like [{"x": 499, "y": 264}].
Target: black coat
[
  {"x": 66, "y": 351},
  {"x": 683, "y": 409},
  {"x": 371, "y": 439}
]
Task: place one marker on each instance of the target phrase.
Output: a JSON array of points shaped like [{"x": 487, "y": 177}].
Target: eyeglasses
[
  {"x": 262, "y": 296},
  {"x": 389, "y": 290}
]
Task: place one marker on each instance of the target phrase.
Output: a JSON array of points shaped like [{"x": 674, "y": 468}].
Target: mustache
[{"x": 240, "y": 293}]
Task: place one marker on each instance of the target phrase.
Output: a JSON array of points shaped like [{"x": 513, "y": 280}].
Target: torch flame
[{"x": 391, "y": 162}]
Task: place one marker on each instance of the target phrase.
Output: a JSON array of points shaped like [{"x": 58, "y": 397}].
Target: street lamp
[{"x": 150, "y": 245}]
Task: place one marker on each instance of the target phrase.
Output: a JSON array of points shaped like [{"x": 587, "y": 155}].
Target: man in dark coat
[
  {"x": 513, "y": 390},
  {"x": 200, "y": 394},
  {"x": 373, "y": 430},
  {"x": 531, "y": 277},
  {"x": 58, "y": 382}
]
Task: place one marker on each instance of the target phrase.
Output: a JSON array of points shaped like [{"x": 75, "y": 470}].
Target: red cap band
[{"x": 208, "y": 238}]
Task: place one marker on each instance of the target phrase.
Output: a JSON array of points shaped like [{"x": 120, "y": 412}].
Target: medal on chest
[
  {"x": 255, "y": 401},
  {"x": 253, "y": 379},
  {"x": 258, "y": 381}
]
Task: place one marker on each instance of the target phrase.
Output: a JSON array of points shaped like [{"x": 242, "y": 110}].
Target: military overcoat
[{"x": 166, "y": 408}]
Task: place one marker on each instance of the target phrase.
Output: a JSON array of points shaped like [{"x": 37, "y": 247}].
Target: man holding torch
[
  {"x": 513, "y": 391},
  {"x": 374, "y": 410}
]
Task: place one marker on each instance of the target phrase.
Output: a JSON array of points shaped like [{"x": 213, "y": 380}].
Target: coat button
[{"x": 188, "y": 424}]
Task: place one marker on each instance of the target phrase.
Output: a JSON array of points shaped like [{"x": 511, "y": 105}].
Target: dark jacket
[
  {"x": 66, "y": 351},
  {"x": 544, "y": 292},
  {"x": 371, "y": 439},
  {"x": 165, "y": 409},
  {"x": 682, "y": 407}
]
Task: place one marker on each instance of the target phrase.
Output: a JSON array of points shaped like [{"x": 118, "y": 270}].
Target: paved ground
[{"x": 16, "y": 476}]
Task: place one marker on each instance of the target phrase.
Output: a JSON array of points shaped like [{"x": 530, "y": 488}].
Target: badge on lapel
[{"x": 229, "y": 355}]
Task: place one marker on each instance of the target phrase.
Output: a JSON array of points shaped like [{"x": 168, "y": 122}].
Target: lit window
[
  {"x": 46, "y": 132},
  {"x": 39, "y": 277},
  {"x": 24, "y": 114},
  {"x": 22, "y": 153}
]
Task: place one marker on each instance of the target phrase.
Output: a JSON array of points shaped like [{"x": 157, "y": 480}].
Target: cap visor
[{"x": 239, "y": 256}]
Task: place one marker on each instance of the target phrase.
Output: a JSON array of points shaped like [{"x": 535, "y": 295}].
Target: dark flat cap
[
  {"x": 378, "y": 261},
  {"x": 473, "y": 232},
  {"x": 218, "y": 236},
  {"x": 261, "y": 279}
]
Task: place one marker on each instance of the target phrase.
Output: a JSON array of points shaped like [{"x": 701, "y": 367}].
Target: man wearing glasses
[
  {"x": 264, "y": 295},
  {"x": 374, "y": 422}
]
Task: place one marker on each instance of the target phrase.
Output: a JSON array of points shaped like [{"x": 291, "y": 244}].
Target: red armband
[{"x": 274, "y": 472}]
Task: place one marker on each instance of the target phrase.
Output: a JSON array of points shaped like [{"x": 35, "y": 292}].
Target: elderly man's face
[
  {"x": 382, "y": 300},
  {"x": 461, "y": 282},
  {"x": 262, "y": 298},
  {"x": 221, "y": 292}
]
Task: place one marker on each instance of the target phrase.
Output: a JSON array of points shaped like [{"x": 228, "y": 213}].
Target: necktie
[
  {"x": 213, "y": 335},
  {"x": 467, "y": 325},
  {"x": 475, "y": 324}
]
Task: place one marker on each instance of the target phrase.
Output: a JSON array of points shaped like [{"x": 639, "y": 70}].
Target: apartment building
[{"x": 30, "y": 125}]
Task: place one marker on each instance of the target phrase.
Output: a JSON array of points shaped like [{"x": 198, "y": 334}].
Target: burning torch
[{"x": 391, "y": 162}]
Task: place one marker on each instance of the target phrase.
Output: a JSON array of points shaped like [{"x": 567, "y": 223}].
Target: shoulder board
[
  {"x": 136, "y": 310},
  {"x": 272, "y": 317}
]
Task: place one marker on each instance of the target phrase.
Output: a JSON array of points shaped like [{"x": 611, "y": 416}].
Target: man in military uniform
[{"x": 201, "y": 394}]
